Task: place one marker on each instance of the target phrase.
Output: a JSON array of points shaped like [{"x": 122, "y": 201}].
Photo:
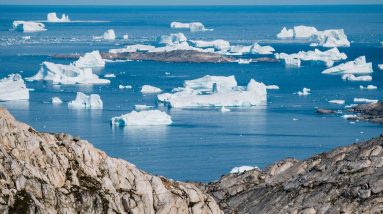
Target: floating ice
[
  {"x": 110, "y": 75},
  {"x": 66, "y": 74},
  {"x": 358, "y": 66},
  {"x": 257, "y": 49},
  {"x": 242, "y": 169},
  {"x": 125, "y": 37},
  {"x": 90, "y": 60},
  {"x": 244, "y": 61},
  {"x": 125, "y": 86},
  {"x": 142, "y": 118},
  {"x": 364, "y": 100},
  {"x": 292, "y": 62},
  {"x": 142, "y": 107},
  {"x": 218, "y": 44},
  {"x": 207, "y": 83},
  {"x": 369, "y": 87},
  {"x": 52, "y": 17},
  {"x": 380, "y": 66},
  {"x": 133, "y": 48},
  {"x": 148, "y": 89},
  {"x": 13, "y": 88},
  {"x": 352, "y": 77},
  {"x": 28, "y": 26},
  {"x": 108, "y": 35},
  {"x": 304, "y": 92},
  {"x": 272, "y": 87},
  {"x": 339, "y": 102},
  {"x": 56, "y": 100},
  {"x": 192, "y": 26},
  {"x": 224, "y": 109},
  {"x": 285, "y": 33},
  {"x": 82, "y": 100},
  {"x": 350, "y": 116},
  {"x": 171, "y": 39}
]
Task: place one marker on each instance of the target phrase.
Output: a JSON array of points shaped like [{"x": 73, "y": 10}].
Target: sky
[{"x": 187, "y": 2}]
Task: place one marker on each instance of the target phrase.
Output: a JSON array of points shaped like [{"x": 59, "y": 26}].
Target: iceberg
[
  {"x": 272, "y": 87},
  {"x": 125, "y": 87},
  {"x": 171, "y": 39},
  {"x": 285, "y": 33},
  {"x": 352, "y": 77},
  {"x": 52, "y": 17},
  {"x": 142, "y": 107},
  {"x": 110, "y": 75},
  {"x": 304, "y": 92},
  {"x": 207, "y": 83},
  {"x": 369, "y": 87},
  {"x": 142, "y": 118},
  {"x": 13, "y": 88},
  {"x": 358, "y": 66},
  {"x": 224, "y": 109},
  {"x": 304, "y": 32},
  {"x": 244, "y": 61},
  {"x": 257, "y": 49},
  {"x": 339, "y": 102},
  {"x": 364, "y": 100},
  {"x": 82, "y": 100},
  {"x": 133, "y": 48},
  {"x": 56, "y": 100},
  {"x": 380, "y": 66},
  {"x": 28, "y": 26},
  {"x": 66, "y": 74},
  {"x": 148, "y": 89},
  {"x": 239, "y": 49},
  {"x": 292, "y": 62},
  {"x": 218, "y": 44},
  {"x": 242, "y": 169},
  {"x": 350, "y": 116},
  {"x": 108, "y": 35},
  {"x": 192, "y": 26},
  {"x": 125, "y": 37},
  {"x": 90, "y": 60}
]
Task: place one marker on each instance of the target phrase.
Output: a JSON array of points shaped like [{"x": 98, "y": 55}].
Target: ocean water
[{"x": 201, "y": 144}]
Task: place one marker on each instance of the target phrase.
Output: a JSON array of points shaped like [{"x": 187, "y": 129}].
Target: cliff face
[
  {"x": 45, "y": 173},
  {"x": 346, "y": 180}
]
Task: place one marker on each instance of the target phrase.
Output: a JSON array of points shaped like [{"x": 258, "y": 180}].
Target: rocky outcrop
[
  {"x": 46, "y": 173},
  {"x": 372, "y": 112},
  {"x": 346, "y": 180}
]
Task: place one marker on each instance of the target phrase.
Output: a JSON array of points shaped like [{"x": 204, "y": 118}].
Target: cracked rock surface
[{"x": 46, "y": 173}]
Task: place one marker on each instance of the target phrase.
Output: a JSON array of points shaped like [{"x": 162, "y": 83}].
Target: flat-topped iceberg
[
  {"x": 82, "y": 100},
  {"x": 66, "y": 74},
  {"x": 108, "y": 35},
  {"x": 352, "y": 77},
  {"x": 90, "y": 60},
  {"x": 358, "y": 66},
  {"x": 338, "y": 102},
  {"x": 368, "y": 87},
  {"x": 148, "y": 89},
  {"x": 13, "y": 88},
  {"x": 28, "y": 26},
  {"x": 216, "y": 91},
  {"x": 257, "y": 49},
  {"x": 52, "y": 17},
  {"x": 56, "y": 100},
  {"x": 192, "y": 26},
  {"x": 143, "y": 118},
  {"x": 218, "y": 44},
  {"x": 171, "y": 39}
]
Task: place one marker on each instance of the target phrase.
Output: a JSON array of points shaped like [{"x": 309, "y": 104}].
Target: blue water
[{"x": 201, "y": 144}]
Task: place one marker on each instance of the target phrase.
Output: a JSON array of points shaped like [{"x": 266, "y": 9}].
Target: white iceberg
[
  {"x": 352, "y": 77},
  {"x": 52, "y": 17},
  {"x": 358, "y": 66},
  {"x": 272, "y": 87},
  {"x": 28, "y": 26},
  {"x": 139, "y": 107},
  {"x": 242, "y": 169},
  {"x": 192, "y": 26},
  {"x": 90, "y": 60},
  {"x": 218, "y": 44},
  {"x": 304, "y": 92},
  {"x": 66, "y": 74},
  {"x": 304, "y": 32},
  {"x": 364, "y": 100},
  {"x": 211, "y": 83},
  {"x": 125, "y": 37},
  {"x": 148, "y": 89},
  {"x": 224, "y": 109},
  {"x": 380, "y": 66},
  {"x": 257, "y": 49},
  {"x": 133, "y": 48},
  {"x": 56, "y": 100},
  {"x": 369, "y": 87},
  {"x": 285, "y": 33},
  {"x": 292, "y": 62},
  {"x": 171, "y": 39},
  {"x": 13, "y": 88},
  {"x": 143, "y": 118},
  {"x": 125, "y": 86},
  {"x": 339, "y": 102},
  {"x": 82, "y": 100},
  {"x": 110, "y": 75},
  {"x": 350, "y": 116},
  {"x": 108, "y": 35},
  {"x": 239, "y": 49},
  {"x": 244, "y": 61}
]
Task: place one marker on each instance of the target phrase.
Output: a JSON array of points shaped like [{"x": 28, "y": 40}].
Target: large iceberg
[
  {"x": 52, "y": 17},
  {"x": 28, "y": 26},
  {"x": 171, "y": 39},
  {"x": 108, "y": 35},
  {"x": 82, "y": 100},
  {"x": 358, "y": 66},
  {"x": 285, "y": 33},
  {"x": 90, "y": 60},
  {"x": 216, "y": 91},
  {"x": 218, "y": 44},
  {"x": 192, "y": 26},
  {"x": 142, "y": 118},
  {"x": 13, "y": 88},
  {"x": 66, "y": 74},
  {"x": 148, "y": 89},
  {"x": 257, "y": 49}
]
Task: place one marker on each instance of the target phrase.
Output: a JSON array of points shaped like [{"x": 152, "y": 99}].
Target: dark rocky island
[
  {"x": 372, "y": 112},
  {"x": 58, "y": 173}
]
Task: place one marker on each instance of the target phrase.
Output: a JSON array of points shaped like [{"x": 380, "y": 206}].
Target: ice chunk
[
  {"x": 142, "y": 107},
  {"x": 90, "y": 60},
  {"x": 244, "y": 61},
  {"x": 218, "y": 44},
  {"x": 380, "y": 66},
  {"x": 257, "y": 49},
  {"x": 272, "y": 87},
  {"x": 142, "y": 118},
  {"x": 148, "y": 89},
  {"x": 352, "y": 77},
  {"x": 133, "y": 48},
  {"x": 364, "y": 100},
  {"x": 110, "y": 75},
  {"x": 224, "y": 109},
  {"x": 358, "y": 66},
  {"x": 52, "y": 17},
  {"x": 285, "y": 33},
  {"x": 192, "y": 26},
  {"x": 304, "y": 32},
  {"x": 82, "y": 100},
  {"x": 13, "y": 88},
  {"x": 66, "y": 74},
  {"x": 206, "y": 83},
  {"x": 304, "y": 92},
  {"x": 240, "y": 49},
  {"x": 125, "y": 37},
  {"x": 174, "y": 38},
  {"x": 369, "y": 87},
  {"x": 108, "y": 35},
  {"x": 350, "y": 116},
  {"x": 331, "y": 38},
  {"x": 339, "y": 102},
  {"x": 292, "y": 62},
  {"x": 242, "y": 169},
  {"x": 28, "y": 26},
  {"x": 125, "y": 87},
  {"x": 56, "y": 100}
]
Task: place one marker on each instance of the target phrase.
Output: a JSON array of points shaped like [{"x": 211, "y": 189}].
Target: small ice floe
[
  {"x": 368, "y": 87},
  {"x": 272, "y": 87},
  {"x": 295, "y": 119},
  {"x": 125, "y": 37},
  {"x": 242, "y": 169},
  {"x": 108, "y": 75},
  {"x": 218, "y": 44},
  {"x": 358, "y": 66},
  {"x": 244, "y": 61},
  {"x": 142, "y": 107},
  {"x": 125, "y": 87},
  {"x": 25, "y": 38},
  {"x": 167, "y": 73},
  {"x": 56, "y": 100},
  {"x": 133, "y": 49},
  {"x": 142, "y": 118},
  {"x": 339, "y": 102},
  {"x": 28, "y": 26},
  {"x": 66, "y": 74},
  {"x": 352, "y": 77},
  {"x": 13, "y": 88},
  {"x": 90, "y": 60},
  {"x": 192, "y": 26},
  {"x": 350, "y": 106},
  {"x": 304, "y": 92},
  {"x": 52, "y": 17},
  {"x": 364, "y": 100},
  {"x": 380, "y": 66},
  {"x": 108, "y": 35},
  {"x": 84, "y": 101},
  {"x": 148, "y": 89},
  {"x": 350, "y": 116},
  {"x": 224, "y": 109}
]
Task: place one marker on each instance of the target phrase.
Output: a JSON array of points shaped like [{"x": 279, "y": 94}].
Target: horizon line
[{"x": 204, "y": 5}]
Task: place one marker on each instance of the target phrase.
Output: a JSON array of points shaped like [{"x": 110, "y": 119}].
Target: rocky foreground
[{"x": 46, "y": 173}]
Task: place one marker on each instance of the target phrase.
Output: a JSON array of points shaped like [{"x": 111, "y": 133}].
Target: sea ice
[
  {"x": 125, "y": 37},
  {"x": 358, "y": 66},
  {"x": 380, "y": 66},
  {"x": 28, "y": 26},
  {"x": 304, "y": 92},
  {"x": 339, "y": 102},
  {"x": 350, "y": 116},
  {"x": 192, "y": 26},
  {"x": 224, "y": 109},
  {"x": 13, "y": 88},
  {"x": 244, "y": 61},
  {"x": 242, "y": 169},
  {"x": 82, "y": 100},
  {"x": 52, "y": 17},
  {"x": 148, "y": 89},
  {"x": 142, "y": 118},
  {"x": 56, "y": 100},
  {"x": 368, "y": 87},
  {"x": 292, "y": 62},
  {"x": 352, "y": 77},
  {"x": 108, "y": 35},
  {"x": 90, "y": 60}
]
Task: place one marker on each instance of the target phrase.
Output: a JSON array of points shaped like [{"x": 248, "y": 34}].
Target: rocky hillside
[
  {"x": 346, "y": 180},
  {"x": 46, "y": 173}
]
